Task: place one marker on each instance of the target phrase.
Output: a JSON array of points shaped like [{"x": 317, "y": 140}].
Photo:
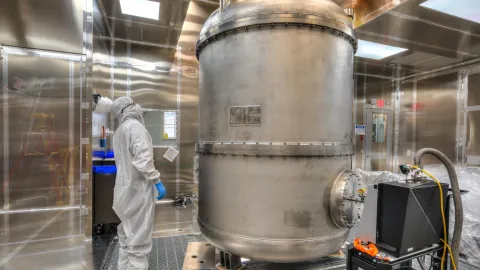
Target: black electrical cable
[
  {"x": 422, "y": 263},
  {"x": 180, "y": 202},
  {"x": 432, "y": 256}
]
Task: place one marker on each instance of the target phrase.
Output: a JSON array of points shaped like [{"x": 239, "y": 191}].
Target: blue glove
[{"x": 161, "y": 190}]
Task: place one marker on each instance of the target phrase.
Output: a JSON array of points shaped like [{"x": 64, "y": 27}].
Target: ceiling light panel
[
  {"x": 377, "y": 51},
  {"x": 141, "y": 8},
  {"x": 465, "y": 9}
]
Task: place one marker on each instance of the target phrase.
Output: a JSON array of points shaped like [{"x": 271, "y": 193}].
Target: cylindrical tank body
[{"x": 276, "y": 101}]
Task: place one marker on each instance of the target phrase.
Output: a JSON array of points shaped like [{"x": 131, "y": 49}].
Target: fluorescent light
[
  {"x": 376, "y": 51},
  {"x": 465, "y": 9},
  {"x": 141, "y": 8}
]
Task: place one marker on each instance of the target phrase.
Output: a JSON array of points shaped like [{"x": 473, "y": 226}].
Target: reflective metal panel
[
  {"x": 473, "y": 89},
  {"x": 436, "y": 115},
  {"x": 406, "y": 139},
  {"x": 55, "y": 25},
  {"x": 473, "y": 135},
  {"x": 188, "y": 83},
  {"x": 152, "y": 88},
  {"x": 44, "y": 108},
  {"x": 41, "y": 116},
  {"x": 45, "y": 240}
]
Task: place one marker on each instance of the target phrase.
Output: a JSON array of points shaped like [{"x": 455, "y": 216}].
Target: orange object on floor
[{"x": 370, "y": 249}]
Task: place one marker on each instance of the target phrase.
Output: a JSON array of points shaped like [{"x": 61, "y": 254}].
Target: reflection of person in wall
[{"x": 381, "y": 131}]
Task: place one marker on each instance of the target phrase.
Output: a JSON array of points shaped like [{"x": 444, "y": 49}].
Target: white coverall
[{"x": 135, "y": 193}]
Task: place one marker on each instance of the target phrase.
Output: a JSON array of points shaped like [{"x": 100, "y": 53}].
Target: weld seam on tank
[
  {"x": 273, "y": 143},
  {"x": 201, "y": 45},
  {"x": 280, "y": 17},
  {"x": 330, "y": 236},
  {"x": 232, "y": 27},
  {"x": 285, "y": 150}
]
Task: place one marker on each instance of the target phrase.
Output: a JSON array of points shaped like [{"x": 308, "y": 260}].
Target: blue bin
[
  {"x": 109, "y": 154},
  {"x": 105, "y": 169},
  {"x": 98, "y": 154},
  {"x": 103, "y": 154}
]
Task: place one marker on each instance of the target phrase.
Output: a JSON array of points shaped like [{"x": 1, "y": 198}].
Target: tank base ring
[{"x": 275, "y": 250}]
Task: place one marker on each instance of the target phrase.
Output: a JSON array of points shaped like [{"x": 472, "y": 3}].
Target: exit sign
[{"x": 380, "y": 103}]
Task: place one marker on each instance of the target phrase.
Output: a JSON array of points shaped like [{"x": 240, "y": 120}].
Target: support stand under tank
[{"x": 229, "y": 261}]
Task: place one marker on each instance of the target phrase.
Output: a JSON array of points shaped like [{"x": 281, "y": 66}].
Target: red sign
[{"x": 380, "y": 103}]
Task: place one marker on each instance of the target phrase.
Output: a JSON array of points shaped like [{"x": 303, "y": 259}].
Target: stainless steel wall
[
  {"x": 472, "y": 142},
  {"x": 437, "y": 115},
  {"x": 407, "y": 116},
  {"x": 55, "y": 25},
  {"x": 44, "y": 56},
  {"x": 368, "y": 89},
  {"x": 437, "y": 108}
]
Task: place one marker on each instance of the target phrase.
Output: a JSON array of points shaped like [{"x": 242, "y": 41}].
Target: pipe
[
  {"x": 143, "y": 43},
  {"x": 222, "y": 5},
  {"x": 457, "y": 199},
  {"x": 453, "y": 66}
]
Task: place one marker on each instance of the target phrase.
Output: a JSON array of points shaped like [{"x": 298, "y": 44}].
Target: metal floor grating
[{"x": 168, "y": 253}]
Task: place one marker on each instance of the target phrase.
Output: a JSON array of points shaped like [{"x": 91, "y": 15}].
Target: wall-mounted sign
[
  {"x": 359, "y": 129},
  {"x": 380, "y": 103}
]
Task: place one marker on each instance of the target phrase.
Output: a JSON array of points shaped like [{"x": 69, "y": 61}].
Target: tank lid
[{"x": 241, "y": 15}]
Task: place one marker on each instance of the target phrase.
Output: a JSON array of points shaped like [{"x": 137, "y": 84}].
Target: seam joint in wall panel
[
  {"x": 414, "y": 120},
  {"x": 86, "y": 86},
  {"x": 178, "y": 116},
  {"x": 364, "y": 144},
  {"x": 461, "y": 111},
  {"x": 6, "y": 154},
  {"x": 71, "y": 128},
  {"x": 465, "y": 115},
  {"x": 42, "y": 53},
  {"x": 129, "y": 69},
  {"x": 354, "y": 137},
  {"x": 397, "y": 103}
]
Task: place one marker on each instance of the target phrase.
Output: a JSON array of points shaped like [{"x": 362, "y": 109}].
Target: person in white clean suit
[{"x": 137, "y": 184}]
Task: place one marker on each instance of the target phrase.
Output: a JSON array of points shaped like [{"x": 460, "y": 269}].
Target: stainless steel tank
[{"x": 275, "y": 141}]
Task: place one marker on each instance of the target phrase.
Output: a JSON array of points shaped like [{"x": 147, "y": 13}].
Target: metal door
[{"x": 378, "y": 139}]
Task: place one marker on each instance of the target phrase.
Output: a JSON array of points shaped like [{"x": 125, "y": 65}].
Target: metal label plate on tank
[{"x": 249, "y": 115}]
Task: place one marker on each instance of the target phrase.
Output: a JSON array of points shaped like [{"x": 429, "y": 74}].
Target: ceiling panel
[
  {"x": 433, "y": 39},
  {"x": 163, "y": 32}
]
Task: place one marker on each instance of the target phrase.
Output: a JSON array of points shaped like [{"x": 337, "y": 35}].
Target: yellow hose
[
  {"x": 445, "y": 244},
  {"x": 451, "y": 255}
]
